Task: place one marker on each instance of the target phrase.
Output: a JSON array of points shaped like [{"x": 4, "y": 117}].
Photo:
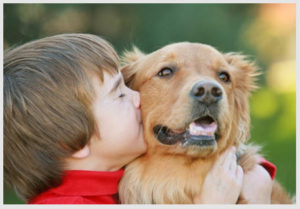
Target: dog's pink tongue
[{"x": 203, "y": 129}]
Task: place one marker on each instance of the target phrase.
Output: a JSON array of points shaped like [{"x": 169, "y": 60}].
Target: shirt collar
[{"x": 89, "y": 183}]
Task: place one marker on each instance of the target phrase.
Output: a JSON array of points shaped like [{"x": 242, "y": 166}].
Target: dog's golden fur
[{"x": 175, "y": 173}]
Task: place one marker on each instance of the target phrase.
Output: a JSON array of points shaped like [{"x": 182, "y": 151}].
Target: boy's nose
[{"x": 136, "y": 99}]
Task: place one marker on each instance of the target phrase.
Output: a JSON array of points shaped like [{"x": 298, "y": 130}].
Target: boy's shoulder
[
  {"x": 83, "y": 187},
  {"x": 61, "y": 200},
  {"x": 52, "y": 198}
]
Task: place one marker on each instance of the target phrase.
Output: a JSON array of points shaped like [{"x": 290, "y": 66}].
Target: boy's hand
[
  {"x": 257, "y": 186},
  {"x": 223, "y": 182}
]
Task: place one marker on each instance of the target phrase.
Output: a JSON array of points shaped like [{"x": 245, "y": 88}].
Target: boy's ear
[
  {"x": 246, "y": 74},
  {"x": 83, "y": 153},
  {"x": 129, "y": 64}
]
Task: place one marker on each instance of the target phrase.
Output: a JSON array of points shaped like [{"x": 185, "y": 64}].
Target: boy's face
[{"x": 119, "y": 131}]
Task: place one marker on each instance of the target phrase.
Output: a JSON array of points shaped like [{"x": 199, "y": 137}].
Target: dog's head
[{"x": 194, "y": 99}]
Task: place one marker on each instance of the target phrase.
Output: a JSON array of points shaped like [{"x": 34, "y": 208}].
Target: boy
[{"x": 70, "y": 125}]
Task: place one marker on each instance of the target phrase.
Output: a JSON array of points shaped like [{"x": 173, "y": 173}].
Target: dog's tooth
[
  {"x": 191, "y": 128},
  {"x": 194, "y": 126},
  {"x": 193, "y": 131}
]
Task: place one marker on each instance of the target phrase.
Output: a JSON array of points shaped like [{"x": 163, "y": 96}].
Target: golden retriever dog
[{"x": 194, "y": 103}]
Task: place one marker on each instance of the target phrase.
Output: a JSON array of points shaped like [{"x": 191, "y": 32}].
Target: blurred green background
[{"x": 266, "y": 32}]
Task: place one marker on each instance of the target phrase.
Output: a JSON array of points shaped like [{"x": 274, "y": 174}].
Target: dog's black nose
[{"x": 207, "y": 92}]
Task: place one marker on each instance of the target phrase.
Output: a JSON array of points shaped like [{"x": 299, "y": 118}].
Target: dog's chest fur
[{"x": 163, "y": 179}]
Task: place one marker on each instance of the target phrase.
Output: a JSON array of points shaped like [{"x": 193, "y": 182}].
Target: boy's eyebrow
[{"x": 116, "y": 85}]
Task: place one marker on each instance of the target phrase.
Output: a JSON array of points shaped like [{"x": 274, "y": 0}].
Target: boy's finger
[
  {"x": 233, "y": 163},
  {"x": 230, "y": 160},
  {"x": 223, "y": 157},
  {"x": 239, "y": 174}
]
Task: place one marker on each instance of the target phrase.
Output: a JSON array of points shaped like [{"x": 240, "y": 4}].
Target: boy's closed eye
[
  {"x": 122, "y": 95},
  {"x": 117, "y": 86}
]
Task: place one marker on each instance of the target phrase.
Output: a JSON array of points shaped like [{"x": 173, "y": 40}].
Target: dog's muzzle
[{"x": 200, "y": 132}]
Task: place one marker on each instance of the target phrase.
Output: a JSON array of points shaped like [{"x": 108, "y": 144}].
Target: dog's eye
[
  {"x": 224, "y": 76},
  {"x": 165, "y": 72}
]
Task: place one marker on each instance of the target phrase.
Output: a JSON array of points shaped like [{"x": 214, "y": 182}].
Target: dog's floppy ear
[
  {"x": 129, "y": 64},
  {"x": 245, "y": 73}
]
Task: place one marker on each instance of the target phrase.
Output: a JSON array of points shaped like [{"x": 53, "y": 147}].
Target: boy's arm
[
  {"x": 256, "y": 188},
  {"x": 258, "y": 183},
  {"x": 62, "y": 200},
  {"x": 270, "y": 167}
]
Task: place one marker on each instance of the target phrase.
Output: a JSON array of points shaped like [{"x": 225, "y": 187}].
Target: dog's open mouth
[{"x": 200, "y": 132}]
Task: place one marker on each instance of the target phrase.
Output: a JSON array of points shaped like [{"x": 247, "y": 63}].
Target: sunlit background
[{"x": 266, "y": 32}]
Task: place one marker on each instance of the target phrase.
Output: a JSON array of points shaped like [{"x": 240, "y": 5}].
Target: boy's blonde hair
[{"x": 47, "y": 100}]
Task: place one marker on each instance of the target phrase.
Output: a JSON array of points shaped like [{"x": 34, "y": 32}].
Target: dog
[{"x": 194, "y": 103}]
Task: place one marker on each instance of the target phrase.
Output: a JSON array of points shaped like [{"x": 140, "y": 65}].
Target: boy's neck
[{"x": 91, "y": 165}]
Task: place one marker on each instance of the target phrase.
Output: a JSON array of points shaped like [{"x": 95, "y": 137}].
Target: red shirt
[
  {"x": 96, "y": 187},
  {"x": 270, "y": 167},
  {"x": 83, "y": 187}
]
